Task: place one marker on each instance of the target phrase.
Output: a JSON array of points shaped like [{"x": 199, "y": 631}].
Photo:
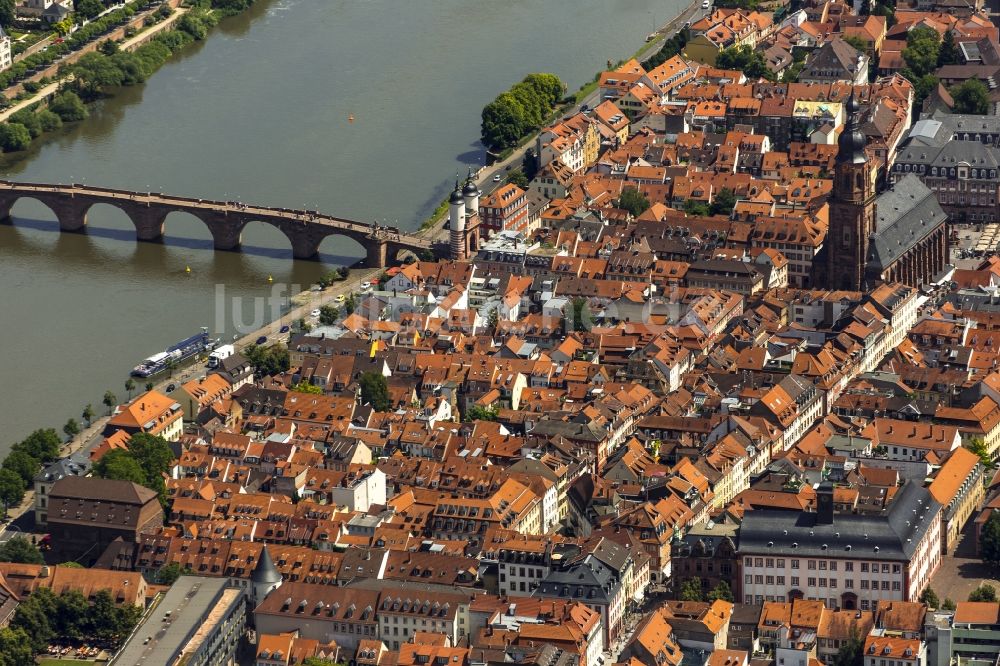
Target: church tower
[{"x": 852, "y": 208}]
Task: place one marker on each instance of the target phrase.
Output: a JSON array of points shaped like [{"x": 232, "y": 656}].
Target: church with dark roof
[{"x": 898, "y": 236}]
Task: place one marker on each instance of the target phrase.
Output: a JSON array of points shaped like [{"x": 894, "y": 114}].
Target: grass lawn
[{"x": 49, "y": 661}]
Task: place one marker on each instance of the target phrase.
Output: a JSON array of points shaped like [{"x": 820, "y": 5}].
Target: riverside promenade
[
  {"x": 130, "y": 44},
  {"x": 307, "y": 302}
]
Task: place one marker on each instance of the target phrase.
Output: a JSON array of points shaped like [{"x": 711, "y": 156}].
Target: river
[{"x": 260, "y": 112}]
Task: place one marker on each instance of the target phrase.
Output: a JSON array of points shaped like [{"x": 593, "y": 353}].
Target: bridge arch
[
  {"x": 8, "y": 204},
  {"x": 340, "y": 249},
  {"x": 265, "y": 234}
]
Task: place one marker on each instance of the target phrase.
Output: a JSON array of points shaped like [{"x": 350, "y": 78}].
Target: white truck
[{"x": 220, "y": 353}]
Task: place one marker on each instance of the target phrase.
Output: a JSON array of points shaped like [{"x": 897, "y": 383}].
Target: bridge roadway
[{"x": 226, "y": 220}]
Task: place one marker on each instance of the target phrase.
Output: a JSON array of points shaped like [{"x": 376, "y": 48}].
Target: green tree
[
  {"x": 88, "y": 8},
  {"x": 519, "y": 178},
  {"x": 22, "y": 464},
  {"x": 317, "y": 661},
  {"x": 71, "y": 616},
  {"x": 375, "y": 391},
  {"x": 971, "y": 96},
  {"x": 129, "y": 387},
  {"x": 69, "y": 107},
  {"x": 948, "y": 52},
  {"x": 851, "y": 652},
  {"x": 978, "y": 446},
  {"x": 350, "y": 304},
  {"x": 88, "y": 414},
  {"x": 922, "y": 87},
  {"x": 723, "y": 202},
  {"x": 32, "y": 616},
  {"x": 477, "y": 413},
  {"x": 328, "y": 315},
  {"x": 306, "y": 387},
  {"x": 579, "y": 317},
  {"x": 697, "y": 208},
  {"x": 109, "y": 47},
  {"x": 110, "y": 400},
  {"x": 30, "y": 120},
  {"x": 43, "y": 445},
  {"x": 12, "y": 488},
  {"x": 110, "y": 622},
  {"x": 149, "y": 386},
  {"x": 548, "y": 86},
  {"x": 20, "y": 550},
  {"x": 121, "y": 465},
  {"x": 14, "y": 137},
  {"x": 744, "y": 58},
  {"x": 493, "y": 320},
  {"x": 989, "y": 540},
  {"x": 857, "y": 43},
  {"x": 984, "y": 592},
  {"x": 948, "y": 604},
  {"x": 930, "y": 598},
  {"x": 72, "y": 429},
  {"x": 15, "y": 648},
  {"x": 691, "y": 590},
  {"x": 268, "y": 361},
  {"x": 721, "y": 591},
  {"x": 7, "y": 16},
  {"x": 153, "y": 454},
  {"x": 923, "y": 45},
  {"x": 169, "y": 573},
  {"x": 504, "y": 121},
  {"x": 634, "y": 201},
  {"x": 48, "y": 121}
]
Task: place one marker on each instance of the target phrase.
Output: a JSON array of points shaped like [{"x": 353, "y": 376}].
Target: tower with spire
[
  {"x": 463, "y": 218},
  {"x": 852, "y": 209},
  {"x": 264, "y": 579}
]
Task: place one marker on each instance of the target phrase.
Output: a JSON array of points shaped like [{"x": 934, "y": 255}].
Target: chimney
[
  {"x": 44, "y": 571},
  {"x": 824, "y": 503}
]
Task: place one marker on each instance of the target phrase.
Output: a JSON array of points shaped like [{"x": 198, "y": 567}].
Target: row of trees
[
  {"x": 691, "y": 590},
  {"x": 520, "y": 110},
  {"x": 44, "y": 616},
  {"x": 34, "y": 63},
  {"x": 671, "y": 47}
]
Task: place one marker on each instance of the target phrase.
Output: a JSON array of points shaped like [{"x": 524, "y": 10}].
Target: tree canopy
[
  {"x": 19, "y": 549},
  {"x": 971, "y": 96},
  {"x": 984, "y": 592},
  {"x": 269, "y": 360},
  {"x": 750, "y": 61},
  {"x": 519, "y": 110},
  {"x": 691, "y": 590},
  {"x": 989, "y": 540},
  {"x": 930, "y": 598},
  {"x": 375, "y": 391},
  {"x": 634, "y": 201}
]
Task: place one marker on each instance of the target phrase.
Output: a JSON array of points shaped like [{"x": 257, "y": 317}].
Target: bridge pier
[
  {"x": 148, "y": 221},
  {"x": 226, "y": 237},
  {"x": 376, "y": 252},
  {"x": 72, "y": 217},
  {"x": 305, "y": 246}
]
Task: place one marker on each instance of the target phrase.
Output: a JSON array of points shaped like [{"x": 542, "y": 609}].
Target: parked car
[
  {"x": 171, "y": 388},
  {"x": 340, "y": 298},
  {"x": 262, "y": 339},
  {"x": 284, "y": 329},
  {"x": 314, "y": 313},
  {"x": 496, "y": 178}
]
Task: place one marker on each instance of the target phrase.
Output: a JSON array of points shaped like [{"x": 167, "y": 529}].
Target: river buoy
[
  {"x": 270, "y": 279},
  {"x": 187, "y": 269},
  {"x": 350, "y": 118}
]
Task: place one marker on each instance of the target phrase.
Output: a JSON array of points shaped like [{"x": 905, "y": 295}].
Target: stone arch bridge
[{"x": 225, "y": 220}]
